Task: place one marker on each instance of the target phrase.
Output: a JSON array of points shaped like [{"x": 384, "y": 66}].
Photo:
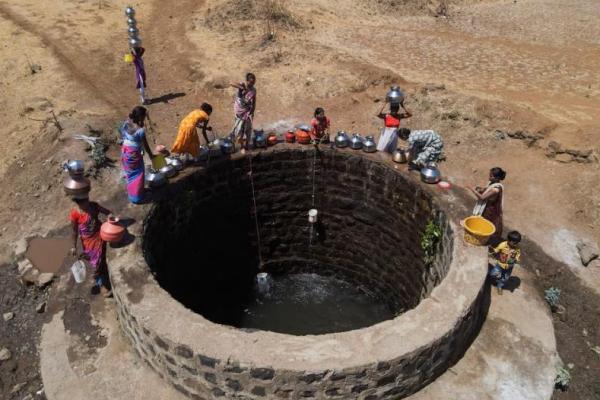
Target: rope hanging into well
[
  {"x": 260, "y": 263},
  {"x": 313, "y": 178}
]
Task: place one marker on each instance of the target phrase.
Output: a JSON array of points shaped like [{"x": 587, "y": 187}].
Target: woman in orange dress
[
  {"x": 86, "y": 225},
  {"x": 187, "y": 141}
]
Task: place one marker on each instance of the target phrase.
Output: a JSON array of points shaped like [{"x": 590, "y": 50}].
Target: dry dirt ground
[{"x": 507, "y": 83}]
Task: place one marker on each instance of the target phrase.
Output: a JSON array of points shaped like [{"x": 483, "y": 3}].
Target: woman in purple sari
[
  {"x": 140, "y": 71},
  {"x": 134, "y": 140}
]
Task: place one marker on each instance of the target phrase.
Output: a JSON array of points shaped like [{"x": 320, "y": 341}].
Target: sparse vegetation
[
  {"x": 429, "y": 240},
  {"x": 563, "y": 379},
  {"x": 552, "y": 297}
]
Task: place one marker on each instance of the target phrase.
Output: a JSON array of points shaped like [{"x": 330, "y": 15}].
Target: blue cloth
[{"x": 501, "y": 275}]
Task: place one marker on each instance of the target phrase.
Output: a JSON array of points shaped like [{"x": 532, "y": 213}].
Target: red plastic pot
[
  {"x": 302, "y": 137},
  {"x": 290, "y": 137},
  {"x": 111, "y": 231}
]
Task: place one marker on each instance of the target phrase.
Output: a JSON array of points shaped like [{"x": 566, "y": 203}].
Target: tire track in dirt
[{"x": 74, "y": 70}]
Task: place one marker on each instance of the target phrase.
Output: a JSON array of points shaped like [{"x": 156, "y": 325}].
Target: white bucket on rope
[
  {"x": 78, "y": 270},
  {"x": 312, "y": 215},
  {"x": 263, "y": 283}
]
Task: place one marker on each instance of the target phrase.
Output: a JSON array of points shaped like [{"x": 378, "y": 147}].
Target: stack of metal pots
[
  {"x": 134, "y": 38},
  {"x": 76, "y": 185}
]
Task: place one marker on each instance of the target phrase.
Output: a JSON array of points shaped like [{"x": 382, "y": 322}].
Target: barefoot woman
[{"x": 86, "y": 225}]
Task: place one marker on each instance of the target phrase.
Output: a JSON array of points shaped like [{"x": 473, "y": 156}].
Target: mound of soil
[{"x": 241, "y": 14}]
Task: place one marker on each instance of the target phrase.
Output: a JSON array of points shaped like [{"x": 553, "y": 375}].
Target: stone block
[
  {"x": 207, "y": 361},
  {"x": 161, "y": 343},
  {"x": 210, "y": 377},
  {"x": 184, "y": 351},
  {"x": 234, "y": 385},
  {"x": 258, "y": 391},
  {"x": 264, "y": 374}
]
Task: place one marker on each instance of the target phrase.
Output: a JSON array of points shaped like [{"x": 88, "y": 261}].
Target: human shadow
[
  {"x": 165, "y": 98},
  {"x": 128, "y": 238},
  {"x": 512, "y": 284},
  {"x": 127, "y": 222}
]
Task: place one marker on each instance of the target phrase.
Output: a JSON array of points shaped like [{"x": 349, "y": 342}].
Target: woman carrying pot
[
  {"x": 490, "y": 201},
  {"x": 86, "y": 225},
  {"x": 133, "y": 134},
  {"x": 388, "y": 140}
]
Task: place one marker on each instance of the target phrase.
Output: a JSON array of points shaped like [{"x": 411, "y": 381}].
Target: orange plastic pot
[
  {"x": 302, "y": 137},
  {"x": 111, "y": 231},
  {"x": 272, "y": 140}
]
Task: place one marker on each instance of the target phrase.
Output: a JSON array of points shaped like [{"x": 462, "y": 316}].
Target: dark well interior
[{"x": 200, "y": 238}]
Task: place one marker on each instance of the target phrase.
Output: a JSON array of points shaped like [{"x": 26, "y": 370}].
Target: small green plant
[
  {"x": 98, "y": 154},
  {"x": 563, "y": 379},
  {"x": 552, "y": 297},
  {"x": 429, "y": 240}
]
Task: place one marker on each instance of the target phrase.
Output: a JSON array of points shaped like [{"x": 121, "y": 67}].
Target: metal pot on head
[
  {"x": 431, "y": 173},
  {"x": 341, "y": 139},
  {"x": 395, "y": 95},
  {"x": 135, "y": 42},
  {"x": 356, "y": 142},
  {"x": 77, "y": 185},
  {"x": 133, "y": 32},
  {"x": 74, "y": 166},
  {"x": 369, "y": 145}
]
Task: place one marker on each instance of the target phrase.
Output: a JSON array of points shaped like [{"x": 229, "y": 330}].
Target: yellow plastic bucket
[
  {"x": 158, "y": 162},
  {"x": 477, "y": 230},
  {"x": 128, "y": 58}
]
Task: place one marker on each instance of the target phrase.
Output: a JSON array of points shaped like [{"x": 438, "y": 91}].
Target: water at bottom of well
[{"x": 303, "y": 304}]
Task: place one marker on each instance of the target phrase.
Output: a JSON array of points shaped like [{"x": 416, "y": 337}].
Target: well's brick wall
[{"x": 372, "y": 218}]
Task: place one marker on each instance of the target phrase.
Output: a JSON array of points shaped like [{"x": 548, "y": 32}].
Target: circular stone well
[{"x": 182, "y": 288}]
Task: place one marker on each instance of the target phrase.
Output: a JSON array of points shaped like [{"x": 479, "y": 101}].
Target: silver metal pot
[
  {"x": 342, "y": 140},
  {"x": 431, "y": 173},
  {"x": 131, "y": 22},
  {"x": 129, "y": 11},
  {"x": 356, "y": 142},
  {"x": 399, "y": 156},
  {"x": 369, "y": 145},
  {"x": 304, "y": 127},
  {"x": 155, "y": 178},
  {"x": 175, "y": 163},
  {"x": 202, "y": 153},
  {"x": 74, "y": 166},
  {"x": 133, "y": 43},
  {"x": 395, "y": 95},
  {"x": 227, "y": 146},
  {"x": 133, "y": 32},
  {"x": 168, "y": 170}
]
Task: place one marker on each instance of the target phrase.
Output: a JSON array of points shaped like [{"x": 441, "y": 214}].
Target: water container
[
  {"x": 263, "y": 282},
  {"x": 312, "y": 215},
  {"x": 78, "y": 270}
]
